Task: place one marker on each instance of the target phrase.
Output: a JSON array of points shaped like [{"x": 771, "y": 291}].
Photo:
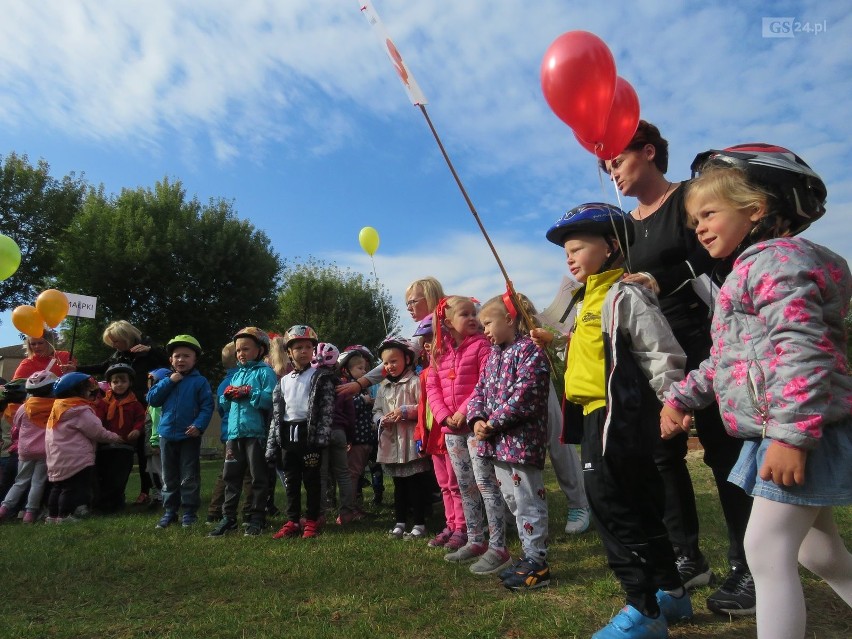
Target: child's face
[
  {"x": 247, "y": 350},
  {"x": 394, "y": 361},
  {"x": 357, "y": 368},
  {"x": 301, "y": 351},
  {"x": 585, "y": 255},
  {"x": 119, "y": 383},
  {"x": 498, "y": 325},
  {"x": 719, "y": 226},
  {"x": 464, "y": 320},
  {"x": 183, "y": 359}
]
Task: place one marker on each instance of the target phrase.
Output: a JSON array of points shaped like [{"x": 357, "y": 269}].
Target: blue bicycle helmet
[
  {"x": 67, "y": 385},
  {"x": 596, "y": 218}
]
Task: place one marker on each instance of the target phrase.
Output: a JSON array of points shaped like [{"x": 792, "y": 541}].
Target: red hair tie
[
  {"x": 440, "y": 315},
  {"x": 510, "y": 305}
]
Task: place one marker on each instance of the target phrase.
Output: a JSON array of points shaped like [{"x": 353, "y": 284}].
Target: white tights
[{"x": 778, "y": 537}]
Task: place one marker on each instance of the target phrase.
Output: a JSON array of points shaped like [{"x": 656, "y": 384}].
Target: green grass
[{"x": 119, "y": 577}]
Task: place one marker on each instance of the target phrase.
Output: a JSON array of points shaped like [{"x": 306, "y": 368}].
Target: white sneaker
[{"x": 578, "y": 521}]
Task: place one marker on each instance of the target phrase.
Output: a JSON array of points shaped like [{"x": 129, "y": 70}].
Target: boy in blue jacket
[
  {"x": 248, "y": 403},
  {"x": 187, "y": 406}
]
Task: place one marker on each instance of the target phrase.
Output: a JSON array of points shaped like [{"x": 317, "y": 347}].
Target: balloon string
[
  {"x": 626, "y": 248},
  {"x": 509, "y": 287},
  {"x": 379, "y": 291}
]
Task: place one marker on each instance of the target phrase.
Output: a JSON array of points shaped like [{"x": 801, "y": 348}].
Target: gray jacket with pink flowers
[{"x": 778, "y": 364}]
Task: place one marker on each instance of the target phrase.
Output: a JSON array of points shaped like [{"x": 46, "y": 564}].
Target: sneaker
[
  {"x": 29, "y": 517},
  {"x": 189, "y": 518},
  {"x": 168, "y": 518},
  {"x": 397, "y": 531},
  {"x": 675, "y": 609},
  {"x": 5, "y": 513},
  {"x": 311, "y": 529},
  {"x": 466, "y": 553},
  {"x": 212, "y": 519},
  {"x": 70, "y": 519},
  {"x": 416, "y": 533},
  {"x": 226, "y": 525},
  {"x": 50, "y": 520},
  {"x": 440, "y": 540},
  {"x": 735, "y": 596},
  {"x": 578, "y": 520},
  {"x": 289, "y": 529},
  {"x": 632, "y": 624},
  {"x": 252, "y": 530},
  {"x": 528, "y": 575},
  {"x": 694, "y": 572},
  {"x": 456, "y": 540},
  {"x": 348, "y": 517},
  {"x": 507, "y": 572},
  {"x": 143, "y": 499},
  {"x": 492, "y": 561},
  {"x": 80, "y": 512}
]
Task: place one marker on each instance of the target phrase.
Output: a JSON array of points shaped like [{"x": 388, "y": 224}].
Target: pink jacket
[
  {"x": 70, "y": 444},
  {"x": 30, "y": 436},
  {"x": 450, "y": 384}
]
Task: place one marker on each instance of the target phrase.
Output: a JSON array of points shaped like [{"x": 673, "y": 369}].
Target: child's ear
[{"x": 758, "y": 213}]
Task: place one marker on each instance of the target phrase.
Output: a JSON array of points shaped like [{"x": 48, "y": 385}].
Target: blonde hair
[
  {"x": 448, "y": 310},
  {"x": 122, "y": 330},
  {"x": 528, "y": 310},
  {"x": 49, "y": 337},
  {"x": 229, "y": 355},
  {"x": 277, "y": 357},
  {"x": 731, "y": 185},
  {"x": 430, "y": 288}
]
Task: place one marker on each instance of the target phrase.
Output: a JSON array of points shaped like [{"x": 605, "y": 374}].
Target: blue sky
[{"x": 293, "y": 111}]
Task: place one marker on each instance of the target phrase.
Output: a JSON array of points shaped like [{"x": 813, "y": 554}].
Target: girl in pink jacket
[
  {"x": 29, "y": 424},
  {"x": 73, "y": 430},
  {"x": 459, "y": 351}
]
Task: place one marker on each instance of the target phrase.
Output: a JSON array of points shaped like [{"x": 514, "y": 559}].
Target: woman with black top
[{"x": 666, "y": 257}]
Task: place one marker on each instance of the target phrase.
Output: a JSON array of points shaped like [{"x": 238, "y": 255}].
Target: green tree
[
  {"x": 168, "y": 265},
  {"x": 35, "y": 210},
  {"x": 343, "y": 307}
]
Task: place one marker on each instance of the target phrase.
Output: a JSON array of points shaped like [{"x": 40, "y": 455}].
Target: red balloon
[
  {"x": 578, "y": 82},
  {"x": 621, "y": 125}
]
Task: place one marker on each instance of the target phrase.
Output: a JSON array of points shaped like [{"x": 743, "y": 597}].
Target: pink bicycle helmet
[{"x": 325, "y": 354}]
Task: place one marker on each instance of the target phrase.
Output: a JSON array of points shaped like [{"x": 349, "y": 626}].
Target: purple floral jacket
[
  {"x": 778, "y": 363},
  {"x": 512, "y": 394}
]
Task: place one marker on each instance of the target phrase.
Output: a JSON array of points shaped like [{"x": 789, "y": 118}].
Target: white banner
[
  {"x": 81, "y": 305},
  {"x": 411, "y": 87}
]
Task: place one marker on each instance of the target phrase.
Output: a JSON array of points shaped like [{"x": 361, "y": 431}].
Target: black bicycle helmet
[
  {"x": 120, "y": 367},
  {"x": 799, "y": 191}
]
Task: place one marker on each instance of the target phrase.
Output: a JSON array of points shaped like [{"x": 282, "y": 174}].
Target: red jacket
[{"x": 452, "y": 378}]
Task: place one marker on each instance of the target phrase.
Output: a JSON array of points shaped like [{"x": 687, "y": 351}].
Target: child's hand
[
  {"x": 236, "y": 393},
  {"x": 482, "y": 430},
  {"x": 133, "y": 436},
  {"x": 541, "y": 337},
  {"x": 673, "y": 422},
  {"x": 175, "y": 377},
  {"x": 192, "y": 431},
  {"x": 784, "y": 464}
]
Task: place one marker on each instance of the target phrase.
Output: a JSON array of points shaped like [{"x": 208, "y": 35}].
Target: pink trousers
[{"x": 449, "y": 486}]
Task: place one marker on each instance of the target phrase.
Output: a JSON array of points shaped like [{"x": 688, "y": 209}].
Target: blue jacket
[
  {"x": 250, "y": 417},
  {"x": 220, "y": 408},
  {"x": 186, "y": 403}
]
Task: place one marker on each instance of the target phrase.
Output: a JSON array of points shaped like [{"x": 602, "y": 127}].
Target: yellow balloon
[
  {"x": 28, "y": 320},
  {"x": 10, "y": 257},
  {"x": 53, "y": 306},
  {"x": 369, "y": 240}
]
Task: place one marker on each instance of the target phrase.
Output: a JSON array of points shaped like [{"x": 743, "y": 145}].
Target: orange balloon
[
  {"x": 53, "y": 306},
  {"x": 28, "y": 320}
]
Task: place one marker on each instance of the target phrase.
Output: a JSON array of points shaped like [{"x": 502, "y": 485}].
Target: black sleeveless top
[{"x": 667, "y": 249}]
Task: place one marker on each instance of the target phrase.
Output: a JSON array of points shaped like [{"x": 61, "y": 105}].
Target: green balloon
[{"x": 10, "y": 257}]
